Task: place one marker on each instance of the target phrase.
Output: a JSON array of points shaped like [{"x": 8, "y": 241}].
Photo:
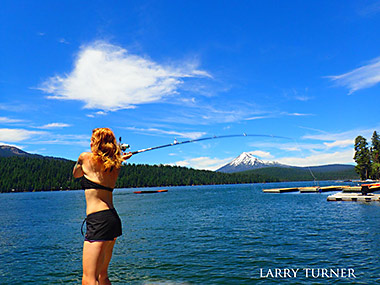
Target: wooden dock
[
  {"x": 311, "y": 189},
  {"x": 320, "y": 189},
  {"x": 364, "y": 188},
  {"x": 354, "y": 197},
  {"x": 281, "y": 190},
  {"x": 352, "y": 189}
]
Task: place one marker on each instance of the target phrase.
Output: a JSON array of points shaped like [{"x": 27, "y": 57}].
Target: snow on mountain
[{"x": 246, "y": 161}]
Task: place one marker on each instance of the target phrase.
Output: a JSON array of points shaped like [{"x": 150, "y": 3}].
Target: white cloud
[
  {"x": 298, "y": 114},
  {"x": 258, "y": 118},
  {"x": 276, "y": 115},
  {"x": 8, "y": 120},
  {"x": 9, "y": 136},
  {"x": 54, "y": 126},
  {"x": 360, "y": 78},
  {"x": 190, "y": 135},
  {"x": 346, "y": 135},
  {"x": 204, "y": 162},
  {"x": 340, "y": 143},
  {"x": 107, "y": 77},
  {"x": 17, "y": 135},
  {"x": 261, "y": 154},
  {"x": 288, "y": 146},
  {"x": 343, "y": 157},
  {"x": 67, "y": 139}
]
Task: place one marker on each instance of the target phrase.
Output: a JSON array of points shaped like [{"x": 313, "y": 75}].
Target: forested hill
[
  {"x": 326, "y": 172},
  {"x": 8, "y": 151},
  {"x": 23, "y": 173},
  {"x": 36, "y": 173}
]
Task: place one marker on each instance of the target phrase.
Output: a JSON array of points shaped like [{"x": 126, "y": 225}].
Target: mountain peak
[
  {"x": 246, "y": 158},
  {"x": 247, "y": 161},
  {"x": 8, "y": 150}
]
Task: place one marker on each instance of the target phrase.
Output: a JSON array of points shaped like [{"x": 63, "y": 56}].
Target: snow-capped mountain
[{"x": 246, "y": 161}]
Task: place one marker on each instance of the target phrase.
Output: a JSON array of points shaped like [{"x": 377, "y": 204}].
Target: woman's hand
[{"x": 126, "y": 156}]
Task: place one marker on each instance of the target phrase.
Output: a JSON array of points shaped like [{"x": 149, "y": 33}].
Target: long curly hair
[{"x": 105, "y": 148}]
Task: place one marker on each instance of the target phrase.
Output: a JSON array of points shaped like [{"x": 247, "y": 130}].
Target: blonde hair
[{"x": 105, "y": 148}]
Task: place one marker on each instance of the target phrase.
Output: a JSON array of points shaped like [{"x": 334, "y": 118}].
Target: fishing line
[
  {"x": 124, "y": 147},
  {"x": 308, "y": 167}
]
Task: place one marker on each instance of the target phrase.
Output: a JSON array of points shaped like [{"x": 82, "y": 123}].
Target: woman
[{"x": 99, "y": 170}]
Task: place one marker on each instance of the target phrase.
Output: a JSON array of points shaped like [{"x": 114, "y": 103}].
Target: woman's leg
[
  {"x": 103, "y": 270},
  {"x": 93, "y": 255}
]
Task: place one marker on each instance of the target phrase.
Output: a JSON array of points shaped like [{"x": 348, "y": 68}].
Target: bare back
[{"x": 96, "y": 199}]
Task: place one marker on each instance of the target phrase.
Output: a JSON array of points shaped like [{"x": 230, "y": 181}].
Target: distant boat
[{"x": 150, "y": 191}]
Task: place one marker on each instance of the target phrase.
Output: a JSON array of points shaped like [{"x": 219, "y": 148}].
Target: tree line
[
  {"x": 22, "y": 174},
  {"x": 283, "y": 174},
  {"x": 367, "y": 157}
]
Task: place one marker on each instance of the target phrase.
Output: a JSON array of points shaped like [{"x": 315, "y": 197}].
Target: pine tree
[
  {"x": 375, "y": 152},
  {"x": 362, "y": 158}
]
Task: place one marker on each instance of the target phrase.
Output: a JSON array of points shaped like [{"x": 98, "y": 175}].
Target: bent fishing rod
[{"x": 124, "y": 147}]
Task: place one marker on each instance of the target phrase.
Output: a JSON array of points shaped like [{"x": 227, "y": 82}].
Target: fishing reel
[{"x": 123, "y": 146}]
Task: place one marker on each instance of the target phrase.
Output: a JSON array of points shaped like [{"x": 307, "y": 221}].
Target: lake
[{"x": 226, "y": 234}]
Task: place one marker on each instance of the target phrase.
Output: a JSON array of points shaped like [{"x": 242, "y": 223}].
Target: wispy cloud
[
  {"x": 360, "y": 78},
  {"x": 204, "y": 162},
  {"x": 17, "y": 135},
  {"x": 96, "y": 114},
  {"x": 11, "y": 136},
  {"x": 340, "y": 136},
  {"x": 64, "y": 139},
  {"x": 277, "y": 115},
  {"x": 108, "y": 78},
  {"x": 14, "y": 107},
  {"x": 63, "y": 41},
  {"x": 261, "y": 154},
  {"x": 258, "y": 118},
  {"x": 190, "y": 135},
  {"x": 340, "y": 143},
  {"x": 298, "y": 94},
  {"x": 298, "y": 114},
  {"x": 54, "y": 126},
  {"x": 289, "y": 146},
  {"x": 5, "y": 120},
  {"x": 370, "y": 10},
  {"x": 321, "y": 158}
]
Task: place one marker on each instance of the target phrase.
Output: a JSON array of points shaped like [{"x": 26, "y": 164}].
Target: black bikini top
[{"x": 88, "y": 184}]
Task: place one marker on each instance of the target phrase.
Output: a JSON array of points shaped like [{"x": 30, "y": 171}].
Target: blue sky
[{"x": 155, "y": 71}]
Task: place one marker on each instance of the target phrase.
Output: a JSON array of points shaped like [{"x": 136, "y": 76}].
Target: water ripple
[{"x": 192, "y": 235}]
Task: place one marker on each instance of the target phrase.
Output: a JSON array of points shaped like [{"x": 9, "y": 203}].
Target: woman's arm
[{"x": 78, "y": 171}]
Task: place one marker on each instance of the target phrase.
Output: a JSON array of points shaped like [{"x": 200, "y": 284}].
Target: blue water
[{"x": 193, "y": 235}]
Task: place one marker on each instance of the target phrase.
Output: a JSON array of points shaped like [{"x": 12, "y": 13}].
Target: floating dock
[
  {"x": 320, "y": 189},
  {"x": 352, "y": 189},
  {"x": 354, "y": 197},
  {"x": 281, "y": 190},
  {"x": 311, "y": 189},
  {"x": 364, "y": 188}
]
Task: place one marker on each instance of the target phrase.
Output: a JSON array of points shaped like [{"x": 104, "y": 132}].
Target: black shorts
[{"x": 103, "y": 225}]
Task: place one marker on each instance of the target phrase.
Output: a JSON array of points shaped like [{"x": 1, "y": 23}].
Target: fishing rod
[{"x": 124, "y": 147}]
